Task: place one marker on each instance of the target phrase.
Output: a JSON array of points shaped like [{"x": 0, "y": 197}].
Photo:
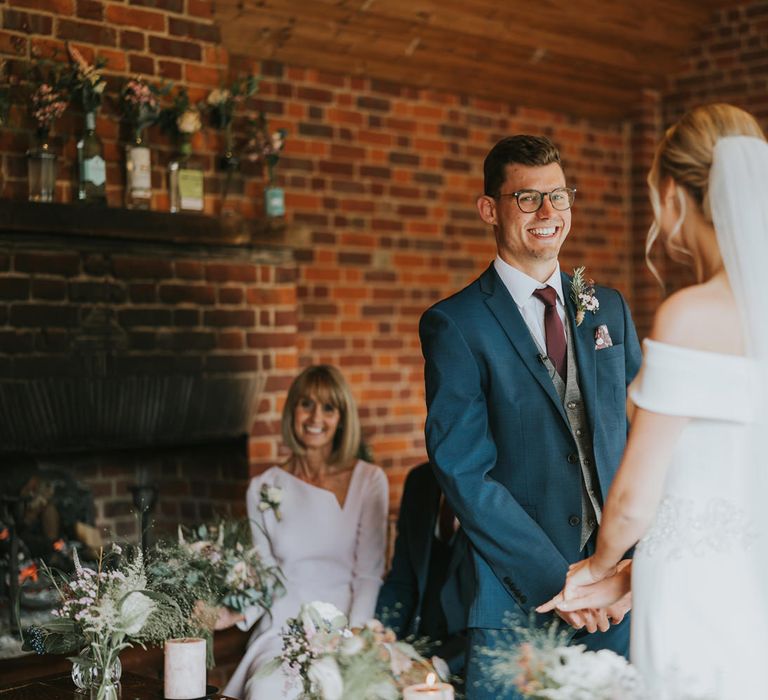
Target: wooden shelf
[{"x": 19, "y": 216}]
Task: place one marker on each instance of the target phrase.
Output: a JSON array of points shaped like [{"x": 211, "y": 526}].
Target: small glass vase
[
  {"x": 186, "y": 181},
  {"x": 87, "y": 675},
  {"x": 274, "y": 201},
  {"x": 138, "y": 174},
  {"x": 41, "y": 170},
  {"x": 105, "y": 691}
]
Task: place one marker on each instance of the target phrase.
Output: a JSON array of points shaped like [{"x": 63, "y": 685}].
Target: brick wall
[{"x": 380, "y": 184}]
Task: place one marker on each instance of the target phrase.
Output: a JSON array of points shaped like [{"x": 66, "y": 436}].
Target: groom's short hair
[{"x": 523, "y": 149}]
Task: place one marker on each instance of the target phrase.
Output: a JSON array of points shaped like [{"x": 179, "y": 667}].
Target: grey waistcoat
[{"x": 570, "y": 395}]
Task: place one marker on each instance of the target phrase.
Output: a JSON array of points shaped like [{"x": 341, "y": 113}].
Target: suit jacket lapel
[
  {"x": 584, "y": 346},
  {"x": 503, "y": 307}
]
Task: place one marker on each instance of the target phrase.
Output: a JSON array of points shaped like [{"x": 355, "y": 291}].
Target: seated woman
[{"x": 324, "y": 523}]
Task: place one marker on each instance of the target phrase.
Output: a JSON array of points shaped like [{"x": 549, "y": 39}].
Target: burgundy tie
[{"x": 553, "y": 328}]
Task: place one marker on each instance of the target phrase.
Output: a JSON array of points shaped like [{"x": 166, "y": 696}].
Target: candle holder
[{"x": 144, "y": 498}]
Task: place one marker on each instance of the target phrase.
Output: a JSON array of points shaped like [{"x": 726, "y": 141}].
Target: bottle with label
[
  {"x": 138, "y": 174},
  {"x": 92, "y": 168},
  {"x": 186, "y": 181}
]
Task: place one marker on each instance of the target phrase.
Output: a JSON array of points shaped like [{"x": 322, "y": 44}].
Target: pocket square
[{"x": 602, "y": 337}]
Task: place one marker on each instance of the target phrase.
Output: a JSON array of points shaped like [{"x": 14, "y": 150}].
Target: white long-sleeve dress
[{"x": 326, "y": 552}]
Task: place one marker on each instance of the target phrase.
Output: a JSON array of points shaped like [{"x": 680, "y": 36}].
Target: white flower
[
  {"x": 135, "y": 610},
  {"x": 189, "y": 122},
  {"x": 351, "y": 645},
  {"x": 399, "y": 661},
  {"x": 318, "y": 615},
  {"x": 238, "y": 574},
  {"x": 441, "y": 668},
  {"x": 217, "y": 96},
  {"x": 325, "y": 675},
  {"x": 275, "y": 494}
]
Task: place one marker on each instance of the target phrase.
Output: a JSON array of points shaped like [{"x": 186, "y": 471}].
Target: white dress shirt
[{"x": 521, "y": 287}]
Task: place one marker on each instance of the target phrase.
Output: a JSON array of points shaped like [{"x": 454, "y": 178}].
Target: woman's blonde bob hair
[
  {"x": 685, "y": 155},
  {"x": 328, "y": 385}
]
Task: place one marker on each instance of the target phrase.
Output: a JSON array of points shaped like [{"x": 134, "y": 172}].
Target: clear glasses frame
[{"x": 530, "y": 201}]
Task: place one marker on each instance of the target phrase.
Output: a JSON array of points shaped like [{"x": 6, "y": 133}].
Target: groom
[{"x": 526, "y": 407}]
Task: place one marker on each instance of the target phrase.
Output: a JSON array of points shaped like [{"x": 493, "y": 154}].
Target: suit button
[
  {"x": 571, "y": 405},
  {"x": 523, "y": 599},
  {"x": 591, "y": 522},
  {"x": 573, "y": 458},
  {"x": 579, "y": 432},
  {"x": 574, "y": 520},
  {"x": 587, "y": 462},
  {"x": 507, "y": 581}
]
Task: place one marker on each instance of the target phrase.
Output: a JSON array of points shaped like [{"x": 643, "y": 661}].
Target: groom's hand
[{"x": 593, "y": 620}]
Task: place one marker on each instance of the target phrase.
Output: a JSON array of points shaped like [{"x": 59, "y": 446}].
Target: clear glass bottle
[
  {"x": 41, "y": 169},
  {"x": 185, "y": 181},
  {"x": 138, "y": 174},
  {"x": 92, "y": 186}
]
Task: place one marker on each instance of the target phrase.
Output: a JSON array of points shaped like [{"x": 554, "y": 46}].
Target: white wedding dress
[
  {"x": 326, "y": 552},
  {"x": 698, "y": 601}
]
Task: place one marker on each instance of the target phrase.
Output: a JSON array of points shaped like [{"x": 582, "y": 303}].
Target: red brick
[
  {"x": 221, "y": 317},
  {"x": 14, "y": 288},
  {"x": 229, "y": 272},
  {"x": 175, "y": 48},
  {"x": 142, "y": 268},
  {"x": 187, "y": 293},
  {"x": 270, "y": 340},
  {"x": 63, "y": 263},
  {"x": 87, "y": 33},
  {"x": 132, "y": 41}
]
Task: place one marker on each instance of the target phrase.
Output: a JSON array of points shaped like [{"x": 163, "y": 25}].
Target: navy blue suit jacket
[{"x": 498, "y": 436}]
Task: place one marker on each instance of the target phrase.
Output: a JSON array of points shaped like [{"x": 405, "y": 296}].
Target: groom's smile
[{"x": 529, "y": 241}]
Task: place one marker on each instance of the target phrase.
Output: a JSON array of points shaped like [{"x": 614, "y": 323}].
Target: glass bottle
[
  {"x": 138, "y": 174},
  {"x": 185, "y": 181},
  {"x": 92, "y": 186},
  {"x": 41, "y": 169}
]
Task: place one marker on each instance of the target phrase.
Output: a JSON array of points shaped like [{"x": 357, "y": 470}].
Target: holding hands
[{"x": 593, "y": 598}]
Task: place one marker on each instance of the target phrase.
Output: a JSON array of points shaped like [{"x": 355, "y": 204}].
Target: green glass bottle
[{"x": 91, "y": 166}]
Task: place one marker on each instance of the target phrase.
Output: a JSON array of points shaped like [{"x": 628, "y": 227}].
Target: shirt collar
[{"x": 521, "y": 286}]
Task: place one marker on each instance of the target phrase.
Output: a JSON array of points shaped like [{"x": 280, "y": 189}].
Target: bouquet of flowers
[
  {"x": 182, "y": 118},
  {"x": 544, "y": 667},
  {"x": 265, "y": 147},
  {"x": 222, "y": 101},
  {"x": 212, "y": 566},
  {"x": 335, "y": 662},
  {"x": 86, "y": 80},
  {"x": 140, "y": 105},
  {"x": 102, "y": 612},
  {"x": 49, "y": 98}
]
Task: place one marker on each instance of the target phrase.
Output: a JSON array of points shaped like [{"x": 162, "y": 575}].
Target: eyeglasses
[{"x": 529, "y": 201}]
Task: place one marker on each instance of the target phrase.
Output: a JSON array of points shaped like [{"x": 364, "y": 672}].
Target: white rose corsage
[
  {"x": 583, "y": 295},
  {"x": 270, "y": 498}
]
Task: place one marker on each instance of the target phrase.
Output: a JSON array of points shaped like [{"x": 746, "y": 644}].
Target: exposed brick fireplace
[{"x": 126, "y": 360}]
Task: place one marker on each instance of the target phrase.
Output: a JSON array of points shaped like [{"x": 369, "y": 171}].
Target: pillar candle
[
  {"x": 185, "y": 672},
  {"x": 429, "y": 690}
]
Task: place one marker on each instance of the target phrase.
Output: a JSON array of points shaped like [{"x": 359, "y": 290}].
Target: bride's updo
[{"x": 685, "y": 155}]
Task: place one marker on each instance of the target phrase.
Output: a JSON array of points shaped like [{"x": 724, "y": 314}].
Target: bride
[{"x": 692, "y": 484}]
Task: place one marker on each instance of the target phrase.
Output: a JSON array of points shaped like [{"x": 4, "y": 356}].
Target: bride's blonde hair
[{"x": 685, "y": 155}]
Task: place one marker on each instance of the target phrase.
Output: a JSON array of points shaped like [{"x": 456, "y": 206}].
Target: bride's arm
[
  {"x": 637, "y": 489},
  {"x": 639, "y": 483}
]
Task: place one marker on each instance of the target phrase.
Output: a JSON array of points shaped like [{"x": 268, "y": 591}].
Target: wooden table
[{"x": 60, "y": 687}]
